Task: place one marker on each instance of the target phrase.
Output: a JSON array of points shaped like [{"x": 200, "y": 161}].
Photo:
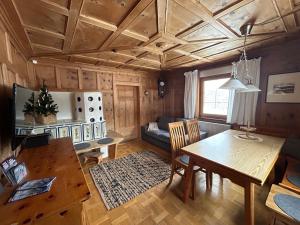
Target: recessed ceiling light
[{"x": 34, "y": 61}]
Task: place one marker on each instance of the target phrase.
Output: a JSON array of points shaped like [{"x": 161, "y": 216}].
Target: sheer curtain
[
  {"x": 190, "y": 94},
  {"x": 242, "y": 106}
]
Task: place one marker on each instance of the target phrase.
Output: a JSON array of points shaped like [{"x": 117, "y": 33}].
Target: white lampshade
[
  {"x": 250, "y": 88},
  {"x": 233, "y": 84}
]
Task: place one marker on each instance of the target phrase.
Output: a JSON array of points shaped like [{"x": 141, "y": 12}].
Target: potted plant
[
  {"x": 45, "y": 108},
  {"x": 29, "y": 110}
]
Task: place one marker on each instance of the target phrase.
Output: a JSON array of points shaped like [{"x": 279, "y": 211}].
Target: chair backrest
[
  {"x": 177, "y": 137},
  {"x": 193, "y": 130}
]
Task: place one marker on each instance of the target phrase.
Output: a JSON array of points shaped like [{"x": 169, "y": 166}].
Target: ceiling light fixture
[
  {"x": 234, "y": 83},
  {"x": 34, "y": 61}
]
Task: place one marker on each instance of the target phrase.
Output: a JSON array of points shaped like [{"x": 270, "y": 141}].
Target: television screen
[{"x": 22, "y": 114}]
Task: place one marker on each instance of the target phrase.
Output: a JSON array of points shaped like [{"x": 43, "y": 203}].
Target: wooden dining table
[{"x": 244, "y": 162}]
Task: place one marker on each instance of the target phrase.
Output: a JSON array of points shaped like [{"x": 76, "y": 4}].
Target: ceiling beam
[
  {"x": 54, "y": 7},
  {"x": 44, "y": 32},
  {"x": 98, "y": 23},
  {"x": 46, "y": 47},
  {"x": 74, "y": 12},
  {"x": 162, "y": 14},
  {"x": 135, "y": 12}
]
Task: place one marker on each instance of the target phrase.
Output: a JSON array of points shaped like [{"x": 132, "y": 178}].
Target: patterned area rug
[{"x": 120, "y": 180}]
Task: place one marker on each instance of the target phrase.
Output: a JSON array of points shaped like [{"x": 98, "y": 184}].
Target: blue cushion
[
  {"x": 82, "y": 146},
  {"x": 289, "y": 204},
  {"x": 164, "y": 121},
  {"x": 203, "y": 134},
  {"x": 295, "y": 180},
  {"x": 161, "y": 135},
  {"x": 185, "y": 159}
]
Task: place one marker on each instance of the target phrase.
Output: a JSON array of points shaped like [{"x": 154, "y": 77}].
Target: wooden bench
[
  {"x": 93, "y": 153},
  {"x": 279, "y": 217},
  {"x": 291, "y": 170}
]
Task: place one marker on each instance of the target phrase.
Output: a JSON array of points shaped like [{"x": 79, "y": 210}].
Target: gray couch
[{"x": 161, "y": 138}]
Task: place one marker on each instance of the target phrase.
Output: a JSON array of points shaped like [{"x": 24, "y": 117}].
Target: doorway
[{"x": 127, "y": 111}]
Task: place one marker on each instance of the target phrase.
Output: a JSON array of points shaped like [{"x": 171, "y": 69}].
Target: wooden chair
[
  {"x": 179, "y": 161},
  {"x": 193, "y": 131}
]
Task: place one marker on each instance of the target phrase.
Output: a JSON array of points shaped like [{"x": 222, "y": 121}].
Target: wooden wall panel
[
  {"x": 89, "y": 80},
  {"x": 46, "y": 74},
  {"x": 78, "y": 77},
  {"x": 69, "y": 78},
  {"x": 13, "y": 69}
]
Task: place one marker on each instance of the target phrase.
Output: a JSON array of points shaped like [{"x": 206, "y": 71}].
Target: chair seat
[{"x": 184, "y": 159}]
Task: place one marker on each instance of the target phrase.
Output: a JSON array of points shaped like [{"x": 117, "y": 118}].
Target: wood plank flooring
[{"x": 223, "y": 205}]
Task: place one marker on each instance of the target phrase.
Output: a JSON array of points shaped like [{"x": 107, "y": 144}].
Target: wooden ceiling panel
[
  {"x": 172, "y": 55},
  {"x": 260, "y": 11},
  {"x": 123, "y": 40},
  {"x": 205, "y": 32},
  {"x": 36, "y": 15},
  {"x": 42, "y": 39},
  {"x": 112, "y": 11},
  {"x": 149, "y": 34},
  {"x": 63, "y": 3},
  {"x": 112, "y": 56},
  {"x": 88, "y": 37},
  {"x": 195, "y": 47},
  {"x": 217, "y": 5},
  {"x": 82, "y": 60},
  {"x": 146, "y": 23},
  {"x": 153, "y": 57},
  {"x": 179, "y": 18}
]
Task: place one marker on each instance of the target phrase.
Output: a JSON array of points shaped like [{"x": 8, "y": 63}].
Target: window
[{"x": 214, "y": 101}]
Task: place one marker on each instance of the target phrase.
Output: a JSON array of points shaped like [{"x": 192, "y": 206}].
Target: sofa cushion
[
  {"x": 164, "y": 121},
  {"x": 203, "y": 135},
  {"x": 161, "y": 135}
]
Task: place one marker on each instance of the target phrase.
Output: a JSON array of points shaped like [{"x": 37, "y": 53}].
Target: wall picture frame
[
  {"x": 63, "y": 131},
  {"x": 283, "y": 88},
  {"x": 76, "y": 133},
  {"x": 97, "y": 131},
  {"x": 52, "y": 131},
  {"x": 87, "y": 132}
]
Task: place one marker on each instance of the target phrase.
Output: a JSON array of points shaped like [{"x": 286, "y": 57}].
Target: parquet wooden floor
[{"x": 223, "y": 205}]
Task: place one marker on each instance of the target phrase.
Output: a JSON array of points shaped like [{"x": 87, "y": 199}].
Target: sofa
[{"x": 161, "y": 137}]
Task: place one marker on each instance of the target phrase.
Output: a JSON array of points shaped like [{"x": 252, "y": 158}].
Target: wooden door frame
[{"x": 115, "y": 97}]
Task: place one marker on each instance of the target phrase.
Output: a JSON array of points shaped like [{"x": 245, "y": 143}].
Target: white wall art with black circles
[{"x": 89, "y": 107}]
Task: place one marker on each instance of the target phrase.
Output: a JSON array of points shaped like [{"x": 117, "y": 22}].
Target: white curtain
[
  {"x": 242, "y": 106},
  {"x": 190, "y": 94}
]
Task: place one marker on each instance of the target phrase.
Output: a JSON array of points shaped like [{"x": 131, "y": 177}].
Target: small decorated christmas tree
[
  {"x": 45, "y": 109},
  {"x": 29, "y": 109},
  {"x": 29, "y": 105}
]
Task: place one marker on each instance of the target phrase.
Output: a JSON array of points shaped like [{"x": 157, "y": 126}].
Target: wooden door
[{"x": 127, "y": 111}]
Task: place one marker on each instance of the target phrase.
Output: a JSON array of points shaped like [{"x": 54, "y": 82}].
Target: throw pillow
[{"x": 153, "y": 126}]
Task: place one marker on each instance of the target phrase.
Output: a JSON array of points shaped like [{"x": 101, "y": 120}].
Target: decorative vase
[
  {"x": 41, "y": 119},
  {"x": 28, "y": 118}
]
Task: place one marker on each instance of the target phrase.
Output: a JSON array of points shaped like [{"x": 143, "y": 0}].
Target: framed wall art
[
  {"x": 87, "y": 132},
  {"x": 76, "y": 133},
  {"x": 63, "y": 132},
  {"x": 97, "y": 131},
  {"x": 283, "y": 88}
]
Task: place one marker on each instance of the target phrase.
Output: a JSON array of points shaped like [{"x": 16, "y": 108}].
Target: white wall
[{"x": 64, "y": 101}]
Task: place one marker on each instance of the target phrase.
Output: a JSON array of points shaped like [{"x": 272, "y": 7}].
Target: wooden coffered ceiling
[{"x": 148, "y": 34}]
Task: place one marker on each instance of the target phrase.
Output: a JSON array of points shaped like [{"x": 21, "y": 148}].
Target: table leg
[
  {"x": 249, "y": 203},
  {"x": 112, "y": 149},
  {"x": 188, "y": 180}
]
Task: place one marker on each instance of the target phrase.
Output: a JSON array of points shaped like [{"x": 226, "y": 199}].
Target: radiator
[{"x": 213, "y": 128}]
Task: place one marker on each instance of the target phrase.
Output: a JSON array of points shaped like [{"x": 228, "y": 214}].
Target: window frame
[{"x": 211, "y": 117}]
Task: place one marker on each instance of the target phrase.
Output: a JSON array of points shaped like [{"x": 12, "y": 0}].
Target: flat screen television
[{"x": 21, "y": 127}]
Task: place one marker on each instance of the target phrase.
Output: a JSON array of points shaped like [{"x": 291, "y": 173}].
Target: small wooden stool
[
  {"x": 93, "y": 156},
  {"x": 279, "y": 217}
]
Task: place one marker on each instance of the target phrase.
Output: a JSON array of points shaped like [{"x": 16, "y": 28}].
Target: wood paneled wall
[
  {"x": 61, "y": 76},
  {"x": 13, "y": 70},
  {"x": 275, "y": 118}
]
